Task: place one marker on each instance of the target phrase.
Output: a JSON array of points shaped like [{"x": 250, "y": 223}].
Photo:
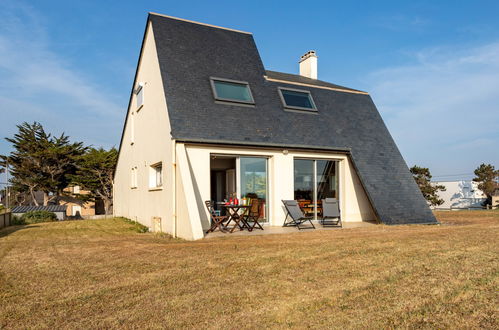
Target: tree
[
  {"x": 95, "y": 174},
  {"x": 41, "y": 162},
  {"x": 59, "y": 163},
  {"x": 487, "y": 177},
  {"x": 25, "y": 160},
  {"x": 423, "y": 180}
]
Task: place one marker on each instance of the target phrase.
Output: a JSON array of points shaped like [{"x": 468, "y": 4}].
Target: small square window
[
  {"x": 297, "y": 99},
  {"x": 231, "y": 90},
  {"x": 139, "y": 95},
  {"x": 156, "y": 176}
]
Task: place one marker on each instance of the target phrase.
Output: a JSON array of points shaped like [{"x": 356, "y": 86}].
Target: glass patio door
[
  {"x": 314, "y": 180},
  {"x": 253, "y": 182}
]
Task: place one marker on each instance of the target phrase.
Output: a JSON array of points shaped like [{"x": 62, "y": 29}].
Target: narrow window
[
  {"x": 132, "y": 128},
  {"x": 133, "y": 177},
  {"x": 297, "y": 99},
  {"x": 231, "y": 91},
  {"x": 156, "y": 176},
  {"x": 139, "y": 96}
]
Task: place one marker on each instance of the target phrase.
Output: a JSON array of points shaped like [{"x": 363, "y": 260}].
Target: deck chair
[
  {"x": 217, "y": 221},
  {"x": 296, "y": 216},
  {"x": 253, "y": 214},
  {"x": 330, "y": 213}
]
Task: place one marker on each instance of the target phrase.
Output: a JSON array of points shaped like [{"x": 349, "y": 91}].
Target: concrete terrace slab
[{"x": 275, "y": 230}]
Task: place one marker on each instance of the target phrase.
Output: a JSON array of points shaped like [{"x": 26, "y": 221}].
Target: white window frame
[
  {"x": 132, "y": 128},
  {"x": 156, "y": 179},
  {"x": 134, "y": 178},
  {"x": 139, "y": 91}
]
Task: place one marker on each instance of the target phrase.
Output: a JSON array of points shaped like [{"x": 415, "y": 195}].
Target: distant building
[
  {"x": 460, "y": 194},
  {"x": 76, "y": 207},
  {"x": 58, "y": 210}
]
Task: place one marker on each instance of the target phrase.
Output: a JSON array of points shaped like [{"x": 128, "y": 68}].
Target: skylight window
[
  {"x": 297, "y": 99},
  {"x": 231, "y": 90}
]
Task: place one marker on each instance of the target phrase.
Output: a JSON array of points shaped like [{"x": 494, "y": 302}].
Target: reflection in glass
[
  {"x": 233, "y": 91},
  {"x": 304, "y": 184},
  {"x": 254, "y": 181},
  {"x": 326, "y": 179}
]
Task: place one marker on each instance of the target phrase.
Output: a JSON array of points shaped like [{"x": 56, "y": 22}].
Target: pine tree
[
  {"x": 430, "y": 191},
  {"x": 41, "y": 162},
  {"x": 487, "y": 177},
  {"x": 95, "y": 174}
]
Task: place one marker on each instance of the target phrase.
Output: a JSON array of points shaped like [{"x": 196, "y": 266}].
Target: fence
[{"x": 5, "y": 219}]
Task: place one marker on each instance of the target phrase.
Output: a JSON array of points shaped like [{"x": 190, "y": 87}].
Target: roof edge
[
  {"x": 316, "y": 86},
  {"x": 262, "y": 144},
  {"x": 195, "y": 22}
]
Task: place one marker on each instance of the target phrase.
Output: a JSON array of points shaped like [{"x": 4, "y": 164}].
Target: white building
[{"x": 460, "y": 194}]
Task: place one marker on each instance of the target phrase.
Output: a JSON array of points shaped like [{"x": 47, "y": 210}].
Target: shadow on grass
[{"x": 11, "y": 229}]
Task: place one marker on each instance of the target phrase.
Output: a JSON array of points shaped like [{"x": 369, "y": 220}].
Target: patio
[{"x": 275, "y": 230}]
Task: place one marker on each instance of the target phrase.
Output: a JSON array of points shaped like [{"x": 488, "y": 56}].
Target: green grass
[{"x": 103, "y": 273}]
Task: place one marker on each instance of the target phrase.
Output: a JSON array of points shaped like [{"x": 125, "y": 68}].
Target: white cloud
[
  {"x": 443, "y": 111},
  {"x": 39, "y": 84}
]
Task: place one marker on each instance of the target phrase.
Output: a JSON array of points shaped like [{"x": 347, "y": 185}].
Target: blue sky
[{"x": 432, "y": 67}]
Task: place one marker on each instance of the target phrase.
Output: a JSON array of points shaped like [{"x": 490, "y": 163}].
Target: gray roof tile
[{"x": 50, "y": 208}]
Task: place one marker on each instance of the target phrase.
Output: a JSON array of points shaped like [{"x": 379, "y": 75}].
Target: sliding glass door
[
  {"x": 314, "y": 180},
  {"x": 253, "y": 182}
]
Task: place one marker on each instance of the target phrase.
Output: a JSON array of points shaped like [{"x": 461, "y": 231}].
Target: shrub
[
  {"x": 16, "y": 221},
  {"x": 38, "y": 216}
]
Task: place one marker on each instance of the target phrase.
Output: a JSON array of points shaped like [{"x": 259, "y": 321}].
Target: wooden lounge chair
[
  {"x": 253, "y": 214},
  {"x": 217, "y": 221},
  {"x": 330, "y": 212},
  {"x": 296, "y": 216}
]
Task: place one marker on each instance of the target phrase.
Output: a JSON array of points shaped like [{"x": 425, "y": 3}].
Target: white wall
[
  {"x": 151, "y": 144},
  {"x": 460, "y": 194},
  {"x": 353, "y": 200}
]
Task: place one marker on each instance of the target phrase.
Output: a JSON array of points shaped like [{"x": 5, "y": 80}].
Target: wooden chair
[
  {"x": 217, "y": 221},
  {"x": 296, "y": 216},
  {"x": 253, "y": 214},
  {"x": 330, "y": 212}
]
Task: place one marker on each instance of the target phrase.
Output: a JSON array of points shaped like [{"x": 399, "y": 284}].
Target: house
[
  {"x": 78, "y": 207},
  {"x": 59, "y": 210},
  {"x": 206, "y": 121},
  {"x": 462, "y": 194}
]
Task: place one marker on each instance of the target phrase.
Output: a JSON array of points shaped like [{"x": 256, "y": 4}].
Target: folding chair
[
  {"x": 296, "y": 216},
  {"x": 217, "y": 221},
  {"x": 253, "y": 214},
  {"x": 330, "y": 212}
]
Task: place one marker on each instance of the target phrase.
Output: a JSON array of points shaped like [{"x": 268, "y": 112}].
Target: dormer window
[
  {"x": 297, "y": 99},
  {"x": 139, "y": 95},
  {"x": 231, "y": 91}
]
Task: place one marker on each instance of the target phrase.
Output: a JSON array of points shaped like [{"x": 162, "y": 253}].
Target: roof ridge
[
  {"x": 314, "y": 83},
  {"x": 200, "y": 23}
]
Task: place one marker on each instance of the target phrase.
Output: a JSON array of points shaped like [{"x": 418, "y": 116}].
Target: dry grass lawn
[{"x": 102, "y": 274}]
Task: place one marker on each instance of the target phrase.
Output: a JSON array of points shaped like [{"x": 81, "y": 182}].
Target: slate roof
[
  {"x": 49, "y": 208},
  {"x": 307, "y": 81},
  {"x": 189, "y": 54}
]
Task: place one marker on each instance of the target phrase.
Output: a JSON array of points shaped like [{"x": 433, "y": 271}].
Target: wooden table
[{"x": 238, "y": 219}]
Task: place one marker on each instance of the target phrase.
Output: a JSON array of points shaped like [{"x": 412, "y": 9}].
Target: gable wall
[{"x": 152, "y": 144}]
